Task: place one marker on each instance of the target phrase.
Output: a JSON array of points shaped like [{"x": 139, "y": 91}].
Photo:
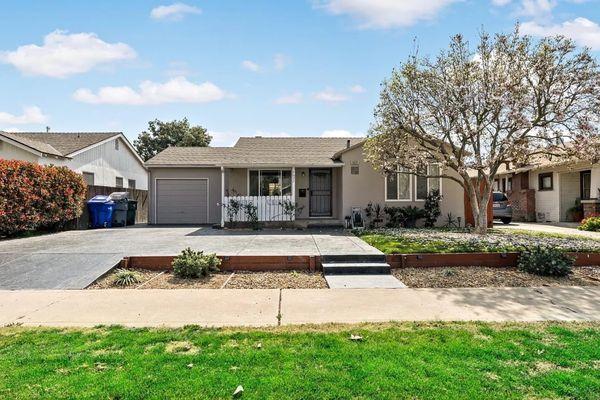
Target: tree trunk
[{"x": 479, "y": 199}]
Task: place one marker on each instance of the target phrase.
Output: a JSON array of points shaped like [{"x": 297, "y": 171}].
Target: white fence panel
[{"x": 268, "y": 208}]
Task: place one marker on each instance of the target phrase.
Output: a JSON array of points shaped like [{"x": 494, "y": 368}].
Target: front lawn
[
  {"x": 393, "y": 361},
  {"x": 406, "y": 241}
]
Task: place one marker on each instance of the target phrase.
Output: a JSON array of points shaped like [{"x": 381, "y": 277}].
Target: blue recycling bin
[{"x": 101, "y": 211}]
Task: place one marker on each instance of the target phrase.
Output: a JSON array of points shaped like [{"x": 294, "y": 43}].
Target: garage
[{"x": 182, "y": 201}]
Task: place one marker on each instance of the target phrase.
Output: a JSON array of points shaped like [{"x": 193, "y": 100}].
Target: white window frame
[
  {"x": 122, "y": 182},
  {"x": 84, "y": 173},
  {"x": 428, "y": 181},
  {"x": 410, "y": 189},
  {"x": 129, "y": 184},
  {"x": 267, "y": 169}
]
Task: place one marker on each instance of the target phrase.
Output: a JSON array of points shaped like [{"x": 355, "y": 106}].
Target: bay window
[{"x": 269, "y": 182}]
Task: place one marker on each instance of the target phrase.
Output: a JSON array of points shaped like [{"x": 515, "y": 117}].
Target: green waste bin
[{"x": 131, "y": 210}]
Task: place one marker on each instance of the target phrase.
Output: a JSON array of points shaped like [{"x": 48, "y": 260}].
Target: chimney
[
  {"x": 47, "y": 129},
  {"x": 348, "y": 143}
]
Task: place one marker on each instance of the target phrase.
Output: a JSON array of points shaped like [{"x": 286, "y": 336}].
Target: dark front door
[{"x": 320, "y": 192}]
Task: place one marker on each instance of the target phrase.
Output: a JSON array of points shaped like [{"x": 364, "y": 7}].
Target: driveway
[
  {"x": 74, "y": 259},
  {"x": 563, "y": 228}
]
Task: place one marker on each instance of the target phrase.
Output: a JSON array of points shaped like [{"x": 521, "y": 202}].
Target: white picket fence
[{"x": 268, "y": 208}]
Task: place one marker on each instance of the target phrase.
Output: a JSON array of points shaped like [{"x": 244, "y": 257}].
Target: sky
[{"x": 237, "y": 67}]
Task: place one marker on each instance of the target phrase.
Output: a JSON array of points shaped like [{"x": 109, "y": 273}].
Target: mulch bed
[
  {"x": 220, "y": 280},
  {"x": 450, "y": 277}
]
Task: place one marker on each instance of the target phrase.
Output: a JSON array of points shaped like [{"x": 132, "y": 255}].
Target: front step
[{"x": 355, "y": 264}]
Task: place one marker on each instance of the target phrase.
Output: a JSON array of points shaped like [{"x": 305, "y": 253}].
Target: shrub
[
  {"x": 547, "y": 261},
  {"x": 126, "y": 277},
  {"x": 34, "y": 196},
  {"x": 194, "y": 264},
  {"x": 431, "y": 208},
  {"x": 590, "y": 224},
  {"x": 406, "y": 217}
]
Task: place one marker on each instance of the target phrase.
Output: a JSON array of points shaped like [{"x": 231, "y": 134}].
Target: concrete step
[
  {"x": 363, "y": 282},
  {"x": 356, "y": 268},
  {"x": 353, "y": 258}
]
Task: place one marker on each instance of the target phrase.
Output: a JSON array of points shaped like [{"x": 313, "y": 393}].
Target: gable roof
[
  {"x": 60, "y": 143},
  {"x": 258, "y": 151}
]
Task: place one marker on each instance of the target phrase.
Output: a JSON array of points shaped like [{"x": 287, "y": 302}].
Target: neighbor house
[
  {"x": 551, "y": 191},
  {"x": 325, "y": 177},
  {"x": 103, "y": 158}
]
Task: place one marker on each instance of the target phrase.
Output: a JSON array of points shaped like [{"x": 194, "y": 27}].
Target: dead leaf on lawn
[
  {"x": 356, "y": 338},
  {"x": 183, "y": 347},
  {"x": 239, "y": 391}
]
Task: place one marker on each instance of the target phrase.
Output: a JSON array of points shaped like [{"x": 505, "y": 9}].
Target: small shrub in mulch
[
  {"x": 195, "y": 264},
  {"x": 545, "y": 261}
]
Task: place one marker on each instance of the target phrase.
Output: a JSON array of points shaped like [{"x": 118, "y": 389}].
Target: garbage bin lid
[
  {"x": 100, "y": 199},
  {"x": 119, "y": 195}
]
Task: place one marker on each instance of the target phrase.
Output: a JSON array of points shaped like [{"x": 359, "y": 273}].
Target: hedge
[{"x": 36, "y": 197}]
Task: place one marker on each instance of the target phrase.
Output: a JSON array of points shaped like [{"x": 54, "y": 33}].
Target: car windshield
[{"x": 500, "y": 196}]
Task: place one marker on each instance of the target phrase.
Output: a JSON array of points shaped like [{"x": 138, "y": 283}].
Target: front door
[{"x": 320, "y": 192}]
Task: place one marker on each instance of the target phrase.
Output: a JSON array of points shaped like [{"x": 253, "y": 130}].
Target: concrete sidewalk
[{"x": 233, "y": 307}]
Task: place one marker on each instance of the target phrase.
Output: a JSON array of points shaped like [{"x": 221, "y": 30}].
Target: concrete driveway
[{"x": 74, "y": 259}]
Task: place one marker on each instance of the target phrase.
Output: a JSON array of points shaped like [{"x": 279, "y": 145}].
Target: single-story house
[
  {"x": 550, "y": 191},
  {"x": 103, "y": 158},
  {"x": 325, "y": 177}
]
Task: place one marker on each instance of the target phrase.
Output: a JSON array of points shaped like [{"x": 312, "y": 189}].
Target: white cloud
[
  {"x": 386, "y": 13},
  {"x": 64, "y": 54},
  {"x": 330, "y": 96},
  {"x": 293, "y": 98},
  {"x": 174, "y": 12},
  {"x": 536, "y": 8},
  {"x": 31, "y": 115},
  {"x": 178, "y": 68},
  {"x": 340, "y": 133},
  {"x": 176, "y": 90},
  {"x": 250, "y": 66},
  {"x": 583, "y": 31},
  {"x": 500, "y": 3},
  {"x": 281, "y": 61},
  {"x": 357, "y": 89}
]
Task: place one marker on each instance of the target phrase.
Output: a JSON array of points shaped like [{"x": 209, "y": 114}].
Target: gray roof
[
  {"x": 60, "y": 144},
  {"x": 258, "y": 151}
]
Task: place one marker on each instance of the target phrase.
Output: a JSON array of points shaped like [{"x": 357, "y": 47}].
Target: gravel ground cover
[
  {"x": 404, "y": 241},
  {"x": 449, "y": 277},
  {"x": 225, "y": 280}
]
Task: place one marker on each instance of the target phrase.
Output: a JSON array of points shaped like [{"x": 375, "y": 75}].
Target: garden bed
[
  {"x": 220, "y": 280},
  {"x": 410, "y": 241},
  {"x": 450, "y": 277}
]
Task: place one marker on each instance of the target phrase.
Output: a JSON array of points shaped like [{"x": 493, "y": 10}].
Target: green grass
[
  {"x": 395, "y": 244},
  {"x": 394, "y": 361}
]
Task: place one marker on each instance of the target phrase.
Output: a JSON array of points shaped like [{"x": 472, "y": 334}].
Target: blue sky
[{"x": 236, "y": 67}]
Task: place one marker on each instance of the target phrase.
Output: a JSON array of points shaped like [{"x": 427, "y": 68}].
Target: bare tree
[{"x": 508, "y": 100}]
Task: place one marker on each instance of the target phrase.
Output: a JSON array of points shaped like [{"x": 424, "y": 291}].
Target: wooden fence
[{"x": 141, "y": 196}]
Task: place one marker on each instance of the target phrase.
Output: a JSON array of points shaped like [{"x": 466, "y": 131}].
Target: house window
[
  {"x": 119, "y": 182},
  {"x": 116, "y": 144},
  {"x": 88, "y": 177},
  {"x": 398, "y": 186},
  {"x": 585, "y": 179},
  {"x": 509, "y": 184},
  {"x": 426, "y": 185},
  {"x": 269, "y": 182},
  {"x": 496, "y": 185},
  {"x": 546, "y": 181},
  {"x": 131, "y": 183},
  {"x": 354, "y": 169}
]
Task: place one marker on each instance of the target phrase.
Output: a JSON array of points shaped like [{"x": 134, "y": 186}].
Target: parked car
[{"x": 502, "y": 208}]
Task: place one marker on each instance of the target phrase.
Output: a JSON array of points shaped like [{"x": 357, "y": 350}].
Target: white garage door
[{"x": 181, "y": 201}]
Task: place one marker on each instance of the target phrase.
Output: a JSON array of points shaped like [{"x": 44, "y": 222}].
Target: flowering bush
[
  {"x": 590, "y": 224},
  {"x": 545, "y": 261},
  {"x": 34, "y": 196}
]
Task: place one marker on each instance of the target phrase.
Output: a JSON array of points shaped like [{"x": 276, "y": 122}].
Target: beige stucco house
[{"x": 325, "y": 177}]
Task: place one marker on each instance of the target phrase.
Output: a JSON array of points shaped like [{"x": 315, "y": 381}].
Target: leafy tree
[
  {"x": 161, "y": 135},
  {"x": 509, "y": 100}
]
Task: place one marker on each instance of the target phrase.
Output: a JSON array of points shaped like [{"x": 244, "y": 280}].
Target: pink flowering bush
[{"x": 34, "y": 196}]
